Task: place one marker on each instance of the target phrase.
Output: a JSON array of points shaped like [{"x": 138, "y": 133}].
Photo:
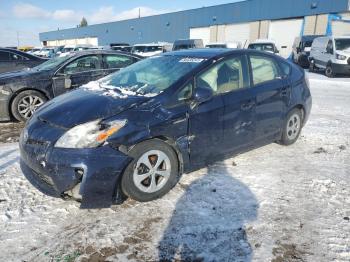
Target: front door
[
  {"x": 78, "y": 72},
  {"x": 206, "y": 122}
]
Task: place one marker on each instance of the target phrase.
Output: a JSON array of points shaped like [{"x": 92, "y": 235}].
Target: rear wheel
[
  {"x": 153, "y": 172},
  {"x": 25, "y": 103},
  {"x": 292, "y": 127}
]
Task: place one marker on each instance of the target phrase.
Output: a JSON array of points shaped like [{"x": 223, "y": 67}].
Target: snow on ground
[{"x": 275, "y": 203}]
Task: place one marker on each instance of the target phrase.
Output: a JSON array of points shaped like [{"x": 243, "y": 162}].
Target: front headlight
[
  {"x": 340, "y": 57},
  {"x": 89, "y": 135}
]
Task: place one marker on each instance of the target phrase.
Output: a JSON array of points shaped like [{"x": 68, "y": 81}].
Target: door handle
[
  {"x": 284, "y": 91},
  {"x": 248, "y": 105}
]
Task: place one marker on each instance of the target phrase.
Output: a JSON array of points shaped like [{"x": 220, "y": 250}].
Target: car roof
[
  {"x": 203, "y": 52},
  {"x": 101, "y": 52},
  {"x": 310, "y": 37},
  {"x": 21, "y": 53}
]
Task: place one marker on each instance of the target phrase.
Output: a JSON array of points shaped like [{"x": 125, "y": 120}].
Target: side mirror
[
  {"x": 298, "y": 49},
  {"x": 202, "y": 95},
  {"x": 329, "y": 50}
]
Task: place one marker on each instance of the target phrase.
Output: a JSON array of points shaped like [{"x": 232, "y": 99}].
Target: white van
[
  {"x": 147, "y": 50},
  {"x": 331, "y": 54}
]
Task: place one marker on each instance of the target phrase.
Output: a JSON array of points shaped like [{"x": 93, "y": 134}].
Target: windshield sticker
[{"x": 191, "y": 60}]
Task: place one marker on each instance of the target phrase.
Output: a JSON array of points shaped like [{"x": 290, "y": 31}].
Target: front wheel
[
  {"x": 25, "y": 103},
  {"x": 329, "y": 71},
  {"x": 153, "y": 172},
  {"x": 312, "y": 67},
  {"x": 292, "y": 127}
]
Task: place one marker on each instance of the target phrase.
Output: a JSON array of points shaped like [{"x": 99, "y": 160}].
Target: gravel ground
[
  {"x": 10, "y": 131},
  {"x": 272, "y": 204}
]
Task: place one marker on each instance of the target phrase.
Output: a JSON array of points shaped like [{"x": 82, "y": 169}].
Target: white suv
[{"x": 331, "y": 54}]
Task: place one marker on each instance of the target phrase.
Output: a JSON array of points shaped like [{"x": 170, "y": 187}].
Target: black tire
[
  {"x": 329, "y": 71},
  {"x": 129, "y": 186},
  {"x": 18, "y": 103},
  {"x": 292, "y": 127},
  {"x": 312, "y": 67}
]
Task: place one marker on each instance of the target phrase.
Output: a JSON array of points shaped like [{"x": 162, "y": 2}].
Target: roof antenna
[{"x": 139, "y": 12}]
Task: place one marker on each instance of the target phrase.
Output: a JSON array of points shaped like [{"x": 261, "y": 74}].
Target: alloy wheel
[
  {"x": 152, "y": 171},
  {"x": 28, "y": 104},
  {"x": 293, "y": 126}
]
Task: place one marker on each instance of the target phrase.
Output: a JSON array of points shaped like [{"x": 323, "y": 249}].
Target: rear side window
[
  {"x": 118, "y": 61},
  {"x": 4, "y": 56},
  {"x": 264, "y": 69}
]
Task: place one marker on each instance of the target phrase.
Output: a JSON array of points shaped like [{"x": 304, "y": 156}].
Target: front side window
[
  {"x": 185, "y": 93},
  {"x": 4, "y": 56},
  {"x": 83, "y": 64},
  {"x": 264, "y": 69},
  {"x": 118, "y": 61},
  {"x": 150, "y": 76},
  {"x": 330, "y": 47},
  {"x": 226, "y": 76}
]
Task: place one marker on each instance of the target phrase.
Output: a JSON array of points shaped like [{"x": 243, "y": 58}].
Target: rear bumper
[
  {"x": 341, "y": 69},
  {"x": 55, "y": 171}
]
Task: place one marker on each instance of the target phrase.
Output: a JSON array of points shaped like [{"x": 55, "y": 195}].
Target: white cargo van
[
  {"x": 331, "y": 54},
  {"x": 147, "y": 50}
]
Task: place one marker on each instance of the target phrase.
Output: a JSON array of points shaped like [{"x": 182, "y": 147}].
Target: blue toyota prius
[{"x": 133, "y": 133}]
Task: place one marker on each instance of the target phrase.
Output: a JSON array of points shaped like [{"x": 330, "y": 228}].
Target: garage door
[
  {"x": 340, "y": 28},
  {"x": 284, "y": 32},
  {"x": 201, "y": 33},
  {"x": 237, "y": 33}
]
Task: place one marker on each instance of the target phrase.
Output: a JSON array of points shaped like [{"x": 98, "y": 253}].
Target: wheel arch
[{"x": 20, "y": 91}]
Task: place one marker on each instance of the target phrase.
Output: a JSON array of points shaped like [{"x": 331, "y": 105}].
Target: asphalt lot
[{"x": 275, "y": 204}]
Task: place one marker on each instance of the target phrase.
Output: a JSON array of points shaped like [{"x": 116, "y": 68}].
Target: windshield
[
  {"x": 342, "y": 44},
  {"x": 145, "y": 49},
  {"x": 184, "y": 46},
  {"x": 52, "y": 63},
  {"x": 262, "y": 47},
  {"x": 217, "y": 46},
  {"x": 308, "y": 43},
  {"x": 150, "y": 77},
  {"x": 67, "y": 49}
]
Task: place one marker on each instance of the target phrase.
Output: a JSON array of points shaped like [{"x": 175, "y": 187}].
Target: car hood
[
  {"x": 18, "y": 76},
  {"x": 81, "y": 106}
]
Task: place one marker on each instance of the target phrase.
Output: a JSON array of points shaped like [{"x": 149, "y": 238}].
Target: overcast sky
[{"x": 28, "y": 18}]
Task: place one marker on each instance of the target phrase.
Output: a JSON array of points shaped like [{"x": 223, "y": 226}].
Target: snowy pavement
[{"x": 275, "y": 203}]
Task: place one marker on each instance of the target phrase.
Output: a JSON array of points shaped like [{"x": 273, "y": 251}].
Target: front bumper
[
  {"x": 54, "y": 171},
  {"x": 303, "y": 60},
  {"x": 342, "y": 69},
  {"x": 4, "y": 108}
]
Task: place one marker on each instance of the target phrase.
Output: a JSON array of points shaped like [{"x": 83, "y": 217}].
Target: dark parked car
[
  {"x": 184, "y": 44},
  {"x": 301, "y": 50},
  {"x": 21, "y": 93},
  {"x": 135, "y": 132},
  {"x": 15, "y": 60}
]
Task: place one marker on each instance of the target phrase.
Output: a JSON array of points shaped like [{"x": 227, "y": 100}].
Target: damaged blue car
[{"x": 133, "y": 133}]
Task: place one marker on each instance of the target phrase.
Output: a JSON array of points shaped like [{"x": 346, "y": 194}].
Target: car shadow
[{"x": 208, "y": 222}]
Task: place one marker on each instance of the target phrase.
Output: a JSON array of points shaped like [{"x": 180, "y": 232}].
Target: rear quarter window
[{"x": 285, "y": 68}]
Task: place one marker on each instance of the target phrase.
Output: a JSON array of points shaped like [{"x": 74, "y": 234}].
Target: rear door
[
  {"x": 115, "y": 62},
  {"x": 270, "y": 88},
  {"x": 5, "y": 64},
  {"x": 78, "y": 72}
]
